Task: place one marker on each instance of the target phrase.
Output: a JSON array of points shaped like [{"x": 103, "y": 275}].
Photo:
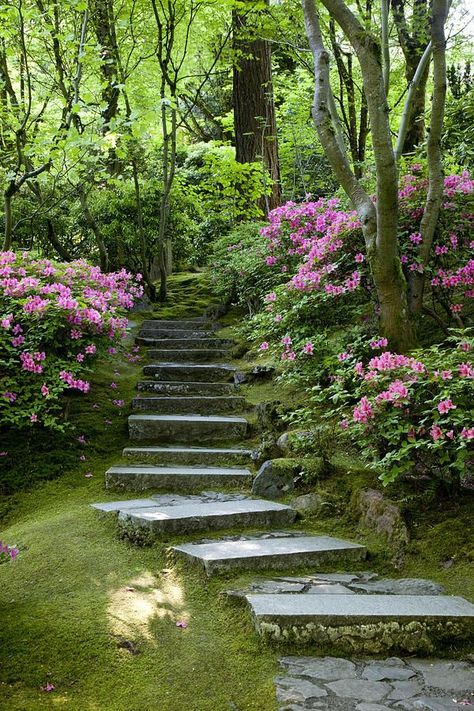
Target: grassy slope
[{"x": 65, "y": 607}]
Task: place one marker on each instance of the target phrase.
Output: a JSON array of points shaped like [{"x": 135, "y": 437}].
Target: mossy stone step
[
  {"x": 190, "y": 372},
  {"x": 193, "y": 355},
  {"x": 184, "y": 342},
  {"x": 186, "y": 428},
  {"x": 198, "y": 405},
  {"x": 172, "y": 334},
  {"x": 363, "y": 623},
  {"x": 269, "y": 553},
  {"x": 199, "y": 324},
  {"x": 187, "y": 455},
  {"x": 177, "y": 478},
  {"x": 188, "y": 388},
  {"x": 196, "y": 516}
]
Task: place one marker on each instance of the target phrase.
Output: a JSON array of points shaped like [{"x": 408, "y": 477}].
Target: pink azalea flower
[
  {"x": 308, "y": 348},
  {"x": 445, "y": 406},
  {"x": 436, "y": 432},
  {"x": 264, "y": 346},
  {"x": 44, "y": 390}
]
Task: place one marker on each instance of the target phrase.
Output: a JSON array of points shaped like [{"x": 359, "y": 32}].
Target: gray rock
[
  {"x": 435, "y": 704},
  {"x": 268, "y": 415},
  {"x": 336, "y": 577},
  {"x": 371, "y": 707},
  {"x": 328, "y": 668},
  {"x": 283, "y": 442},
  {"x": 271, "y": 484},
  {"x": 446, "y": 675},
  {"x": 405, "y": 690},
  {"x": 328, "y": 589},
  {"x": 402, "y": 586},
  {"x": 359, "y": 689},
  {"x": 307, "y": 504},
  {"x": 293, "y": 689},
  {"x": 382, "y": 672},
  {"x": 382, "y": 516}
]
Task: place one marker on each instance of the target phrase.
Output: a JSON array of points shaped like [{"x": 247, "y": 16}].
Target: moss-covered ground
[{"x": 96, "y": 617}]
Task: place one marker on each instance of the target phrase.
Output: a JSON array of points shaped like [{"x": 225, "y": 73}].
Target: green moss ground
[{"x": 78, "y": 596}]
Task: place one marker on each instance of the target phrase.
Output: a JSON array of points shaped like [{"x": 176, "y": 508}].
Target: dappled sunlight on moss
[{"x": 133, "y": 608}]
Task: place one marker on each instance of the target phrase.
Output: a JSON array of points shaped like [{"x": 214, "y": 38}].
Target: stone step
[
  {"x": 188, "y": 388},
  {"x": 195, "y": 516},
  {"x": 199, "y": 405},
  {"x": 173, "y": 334},
  {"x": 187, "y": 455},
  {"x": 198, "y": 324},
  {"x": 270, "y": 553},
  {"x": 193, "y": 355},
  {"x": 186, "y": 428},
  {"x": 177, "y": 478},
  {"x": 190, "y": 372},
  {"x": 363, "y": 623},
  {"x": 184, "y": 343}
]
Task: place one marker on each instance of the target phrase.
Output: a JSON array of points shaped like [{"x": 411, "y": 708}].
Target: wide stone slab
[
  {"x": 186, "y": 428},
  {"x": 363, "y": 623},
  {"x": 270, "y": 553},
  {"x": 188, "y": 388},
  {"x": 197, "y": 323},
  {"x": 190, "y": 372},
  {"x": 173, "y": 333},
  {"x": 191, "y": 355},
  {"x": 191, "y": 517},
  {"x": 191, "y": 343},
  {"x": 187, "y": 455},
  {"x": 140, "y": 478},
  {"x": 197, "y": 405}
]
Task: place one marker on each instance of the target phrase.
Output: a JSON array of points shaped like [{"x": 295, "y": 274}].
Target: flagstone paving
[{"x": 191, "y": 441}]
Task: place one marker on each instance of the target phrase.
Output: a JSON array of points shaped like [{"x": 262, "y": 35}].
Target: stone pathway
[
  {"x": 189, "y": 434},
  {"x": 356, "y": 684}
]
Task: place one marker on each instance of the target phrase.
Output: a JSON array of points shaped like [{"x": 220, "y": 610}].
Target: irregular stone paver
[
  {"x": 359, "y": 689},
  {"x": 446, "y": 675},
  {"x": 348, "y": 690}
]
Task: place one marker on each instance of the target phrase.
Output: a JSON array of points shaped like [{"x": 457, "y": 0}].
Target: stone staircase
[{"x": 188, "y": 435}]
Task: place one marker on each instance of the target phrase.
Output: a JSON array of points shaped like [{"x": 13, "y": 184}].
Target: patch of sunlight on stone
[{"x": 133, "y": 607}]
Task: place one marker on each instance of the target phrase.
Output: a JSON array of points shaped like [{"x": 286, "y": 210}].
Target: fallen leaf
[
  {"x": 48, "y": 687},
  {"x": 182, "y": 623}
]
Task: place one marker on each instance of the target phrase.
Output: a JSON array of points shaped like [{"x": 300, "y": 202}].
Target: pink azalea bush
[
  {"x": 411, "y": 413},
  {"x": 55, "y": 320}
]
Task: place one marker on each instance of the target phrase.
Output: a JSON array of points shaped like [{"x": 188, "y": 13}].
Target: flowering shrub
[
  {"x": 55, "y": 320},
  {"x": 451, "y": 267},
  {"x": 409, "y": 412},
  {"x": 7, "y": 552}
]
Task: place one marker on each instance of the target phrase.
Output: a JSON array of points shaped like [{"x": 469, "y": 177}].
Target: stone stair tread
[
  {"x": 166, "y": 334},
  {"x": 188, "y": 354},
  {"x": 165, "y": 370},
  {"x": 193, "y": 404},
  {"x": 266, "y": 553},
  {"x": 344, "y": 607},
  {"x": 209, "y": 515},
  {"x": 190, "y": 450},
  {"x": 186, "y": 343},
  {"x": 181, "y": 471},
  {"x": 178, "y": 386},
  {"x": 262, "y": 547},
  {"x": 188, "y": 418}
]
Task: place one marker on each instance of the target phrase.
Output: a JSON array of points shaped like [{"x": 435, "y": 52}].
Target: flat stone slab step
[
  {"x": 197, "y": 324},
  {"x": 140, "y": 478},
  {"x": 193, "y": 355},
  {"x": 172, "y": 334},
  {"x": 186, "y": 428},
  {"x": 363, "y": 623},
  {"x": 195, "y": 515},
  {"x": 187, "y": 455},
  {"x": 184, "y": 343},
  {"x": 269, "y": 553},
  {"x": 189, "y": 388},
  {"x": 190, "y": 372},
  {"x": 198, "y": 405}
]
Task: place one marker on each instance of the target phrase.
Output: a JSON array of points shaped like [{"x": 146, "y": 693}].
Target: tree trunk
[
  {"x": 103, "y": 254},
  {"x": 254, "y": 109},
  {"x": 8, "y": 217}
]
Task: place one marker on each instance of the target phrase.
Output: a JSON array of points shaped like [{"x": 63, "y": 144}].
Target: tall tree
[
  {"x": 254, "y": 109},
  {"x": 380, "y": 219}
]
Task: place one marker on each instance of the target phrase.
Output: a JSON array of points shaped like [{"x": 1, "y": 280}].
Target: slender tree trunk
[
  {"x": 8, "y": 217},
  {"x": 96, "y": 231},
  {"x": 379, "y": 221},
  {"x": 55, "y": 243},
  {"x": 254, "y": 109}
]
